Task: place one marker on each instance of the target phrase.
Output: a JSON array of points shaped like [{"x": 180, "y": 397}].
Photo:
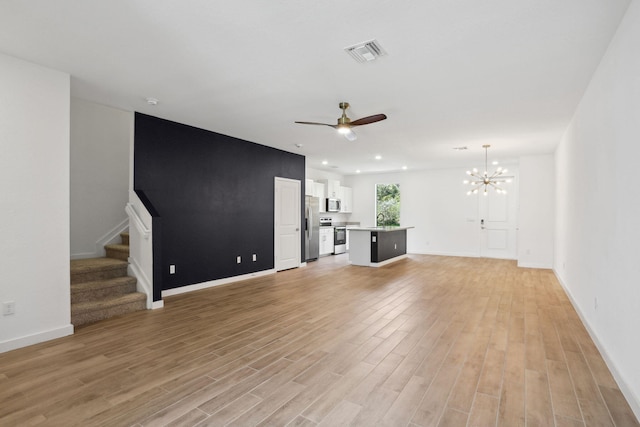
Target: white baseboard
[
  {"x": 36, "y": 338},
  {"x": 212, "y": 283},
  {"x": 632, "y": 399},
  {"x": 85, "y": 255}
]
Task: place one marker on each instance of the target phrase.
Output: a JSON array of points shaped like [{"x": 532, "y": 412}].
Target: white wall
[
  {"x": 536, "y": 213},
  {"x": 99, "y": 175},
  {"x": 434, "y": 201},
  {"x": 598, "y": 208},
  {"x": 34, "y": 203},
  {"x": 318, "y": 174}
]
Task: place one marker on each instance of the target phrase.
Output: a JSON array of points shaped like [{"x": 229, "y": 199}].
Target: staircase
[{"x": 100, "y": 287}]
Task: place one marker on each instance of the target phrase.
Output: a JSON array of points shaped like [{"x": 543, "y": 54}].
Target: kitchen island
[{"x": 377, "y": 246}]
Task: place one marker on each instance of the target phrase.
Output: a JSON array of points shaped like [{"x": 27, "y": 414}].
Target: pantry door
[{"x": 287, "y": 224}]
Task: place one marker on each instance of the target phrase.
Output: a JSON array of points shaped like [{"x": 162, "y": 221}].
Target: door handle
[{"x": 482, "y": 224}]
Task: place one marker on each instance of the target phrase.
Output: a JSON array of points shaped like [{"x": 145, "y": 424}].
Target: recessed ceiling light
[
  {"x": 357, "y": 170},
  {"x": 299, "y": 145},
  {"x": 152, "y": 101},
  {"x": 378, "y": 157},
  {"x": 324, "y": 162},
  {"x": 404, "y": 168},
  {"x": 495, "y": 162}
]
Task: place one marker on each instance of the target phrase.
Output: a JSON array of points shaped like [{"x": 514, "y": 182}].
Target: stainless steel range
[
  {"x": 339, "y": 239},
  {"x": 339, "y": 235}
]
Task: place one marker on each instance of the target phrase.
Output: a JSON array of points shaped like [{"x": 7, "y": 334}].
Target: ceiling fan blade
[
  {"x": 369, "y": 119},
  {"x": 350, "y": 135},
  {"x": 315, "y": 123}
]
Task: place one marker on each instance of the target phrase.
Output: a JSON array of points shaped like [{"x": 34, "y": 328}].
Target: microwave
[{"x": 333, "y": 205}]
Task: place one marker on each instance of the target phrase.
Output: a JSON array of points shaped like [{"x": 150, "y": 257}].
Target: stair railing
[{"x": 137, "y": 221}]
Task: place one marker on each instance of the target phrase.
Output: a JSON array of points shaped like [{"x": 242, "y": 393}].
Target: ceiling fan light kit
[
  {"x": 484, "y": 181},
  {"x": 345, "y": 124}
]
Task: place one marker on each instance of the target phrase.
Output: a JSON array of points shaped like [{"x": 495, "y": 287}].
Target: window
[{"x": 387, "y": 204}]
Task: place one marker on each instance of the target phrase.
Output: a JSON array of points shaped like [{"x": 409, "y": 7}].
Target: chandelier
[{"x": 484, "y": 181}]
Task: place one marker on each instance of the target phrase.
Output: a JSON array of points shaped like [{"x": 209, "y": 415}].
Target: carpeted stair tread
[
  {"x": 89, "y": 312},
  {"x": 117, "y": 251},
  {"x": 87, "y": 291},
  {"x": 92, "y": 264},
  {"x": 83, "y": 307},
  {"x": 92, "y": 269},
  {"x": 118, "y": 246},
  {"x": 125, "y": 238}
]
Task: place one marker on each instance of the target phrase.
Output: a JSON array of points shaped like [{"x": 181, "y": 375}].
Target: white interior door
[
  {"x": 498, "y": 225},
  {"x": 287, "y": 224}
]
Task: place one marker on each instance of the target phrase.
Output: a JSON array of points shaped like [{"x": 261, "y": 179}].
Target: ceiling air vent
[{"x": 366, "y": 51}]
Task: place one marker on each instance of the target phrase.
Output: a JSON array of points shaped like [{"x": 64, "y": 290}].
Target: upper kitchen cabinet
[
  {"x": 333, "y": 188},
  {"x": 346, "y": 199},
  {"x": 309, "y": 187},
  {"x": 319, "y": 193}
]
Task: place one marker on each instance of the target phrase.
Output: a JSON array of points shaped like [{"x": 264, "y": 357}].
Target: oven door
[
  {"x": 339, "y": 236},
  {"x": 339, "y": 240}
]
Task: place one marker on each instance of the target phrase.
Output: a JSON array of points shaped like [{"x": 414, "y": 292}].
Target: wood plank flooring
[{"x": 426, "y": 341}]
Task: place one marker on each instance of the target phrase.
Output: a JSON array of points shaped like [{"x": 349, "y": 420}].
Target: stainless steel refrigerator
[{"x": 311, "y": 228}]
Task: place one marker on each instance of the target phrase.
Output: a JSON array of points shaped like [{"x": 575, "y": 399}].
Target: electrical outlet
[
  {"x": 8, "y": 308},
  {"x": 239, "y": 259},
  {"x": 255, "y": 258},
  {"x": 172, "y": 269}
]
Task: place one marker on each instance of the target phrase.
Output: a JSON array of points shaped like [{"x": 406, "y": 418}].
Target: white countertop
[{"x": 385, "y": 228}]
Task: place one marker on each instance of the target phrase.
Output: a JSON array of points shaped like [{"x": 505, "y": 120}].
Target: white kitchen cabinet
[
  {"x": 319, "y": 192},
  {"x": 347, "y": 199},
  {"x": 333, "y": 188},
  {"x": 309, "y": 187},
  {"x": 326, "y": 240}
]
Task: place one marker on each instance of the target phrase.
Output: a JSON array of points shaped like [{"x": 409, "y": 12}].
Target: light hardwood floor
[{"x": 424, "y": 341}]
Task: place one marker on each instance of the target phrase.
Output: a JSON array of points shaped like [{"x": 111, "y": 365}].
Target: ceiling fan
[{"x": 345, "y": 124}]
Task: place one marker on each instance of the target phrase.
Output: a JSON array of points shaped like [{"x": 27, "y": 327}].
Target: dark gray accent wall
[{"x": 214, "y": 196}]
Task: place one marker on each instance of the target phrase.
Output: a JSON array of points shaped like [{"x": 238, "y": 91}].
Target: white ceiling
[{"x": 509, "y": 73}]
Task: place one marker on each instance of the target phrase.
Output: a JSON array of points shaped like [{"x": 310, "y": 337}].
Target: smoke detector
[{"x": 366, "y": 51}]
